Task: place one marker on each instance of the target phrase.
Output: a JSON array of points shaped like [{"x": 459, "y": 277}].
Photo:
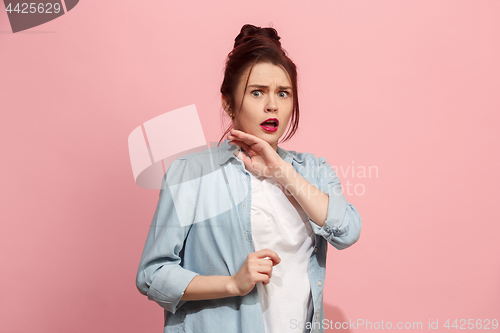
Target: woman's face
[{"x": 268, "y": 95}]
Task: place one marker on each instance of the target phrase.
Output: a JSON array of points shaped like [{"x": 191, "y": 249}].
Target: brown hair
[{"x": 251, "y": 46}]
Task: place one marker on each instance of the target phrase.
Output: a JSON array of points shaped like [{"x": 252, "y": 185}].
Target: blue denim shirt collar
[{"x": 226, "y": 152}]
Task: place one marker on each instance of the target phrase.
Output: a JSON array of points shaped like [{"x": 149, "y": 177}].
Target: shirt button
[
  {"x": 319, "y": 283},
  {"x": 244, "y": 179},
  {"x": 243, "y": 205},
  {"x": 315, "y": 249}
]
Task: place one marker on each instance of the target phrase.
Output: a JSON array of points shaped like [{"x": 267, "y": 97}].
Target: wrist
[
  {"x": 231, "y": 287},
  {"x": 285, "y": 173}
]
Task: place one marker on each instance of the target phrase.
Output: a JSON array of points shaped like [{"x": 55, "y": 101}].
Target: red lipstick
[{"x": 270, "y": 125}]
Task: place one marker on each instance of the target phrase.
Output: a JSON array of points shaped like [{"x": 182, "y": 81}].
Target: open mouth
[{"x": 270, "y": 123}]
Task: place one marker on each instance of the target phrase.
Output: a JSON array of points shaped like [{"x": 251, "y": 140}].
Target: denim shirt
[{"x": 202, "y": 226}]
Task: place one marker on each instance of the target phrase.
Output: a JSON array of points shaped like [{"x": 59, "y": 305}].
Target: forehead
[{"x": 266, "y": 73}]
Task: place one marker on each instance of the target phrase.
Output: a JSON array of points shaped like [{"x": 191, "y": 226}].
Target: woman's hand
[
  {"x": 255, "y": 268},
  {"x": 263, "y": 160}
]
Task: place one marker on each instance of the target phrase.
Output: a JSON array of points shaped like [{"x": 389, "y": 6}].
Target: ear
[{"x": 225, "y": 102}]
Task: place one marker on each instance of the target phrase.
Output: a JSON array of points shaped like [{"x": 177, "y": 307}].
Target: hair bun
[{"x": 251, "y": 32}]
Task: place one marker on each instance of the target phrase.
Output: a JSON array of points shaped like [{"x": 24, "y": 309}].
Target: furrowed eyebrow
[{"x": 267, "y": 87}]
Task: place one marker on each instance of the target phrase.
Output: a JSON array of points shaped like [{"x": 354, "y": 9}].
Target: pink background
[{"x": 408, "y": 87}]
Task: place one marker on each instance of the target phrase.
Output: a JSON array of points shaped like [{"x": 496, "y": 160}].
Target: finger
[
  {"x": 246, "y": 160},
  {"x": 246, "y": 147},
  {"x": 267, "y": 279},
  {"x": 264, "y": 278},
  {"x": 241, "y": 144},
  {"x": 268, "y": 253},
  {"x": 246, "y": 137},
  {"x": 263, "y": 270},
  {"x": 268, "y": 262},
  {"x": 255, "y": 146}
]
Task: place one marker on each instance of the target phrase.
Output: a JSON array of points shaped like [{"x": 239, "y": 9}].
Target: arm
[
  {"x": 330, "y": 214},
  {"x": 342, "y": 226},
  {"x": 313, "y": 201},
  {"x": 160, "y": 275},
  {"x": 256, "y": 268},
  {"x": 208, "y": 287}
]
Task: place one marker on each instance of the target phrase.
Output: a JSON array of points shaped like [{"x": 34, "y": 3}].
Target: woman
[{"x": 239, "y": 238}]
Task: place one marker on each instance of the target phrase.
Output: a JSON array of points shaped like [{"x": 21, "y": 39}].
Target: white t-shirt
[{"x": 280, "y": 224}]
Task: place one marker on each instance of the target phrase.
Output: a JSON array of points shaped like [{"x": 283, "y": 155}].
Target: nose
[{"x": 271, "y": 104}]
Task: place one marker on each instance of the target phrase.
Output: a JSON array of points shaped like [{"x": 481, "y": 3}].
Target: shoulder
[
  {"x": 314, "y": 168},
  {"x": 309, "y": 160},
  {"x": 200, "y": 155},
  {"x": 197, "y": 163}
]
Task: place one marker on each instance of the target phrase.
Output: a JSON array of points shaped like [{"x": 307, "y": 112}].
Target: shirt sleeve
[
  {"x": 160, "y": 275},
  {"x": 342, "y": 227}
]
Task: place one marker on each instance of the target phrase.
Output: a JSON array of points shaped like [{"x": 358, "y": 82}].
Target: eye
[
  {"x": 256, "y": 91},
  {"x": 284, "y": 94}
]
